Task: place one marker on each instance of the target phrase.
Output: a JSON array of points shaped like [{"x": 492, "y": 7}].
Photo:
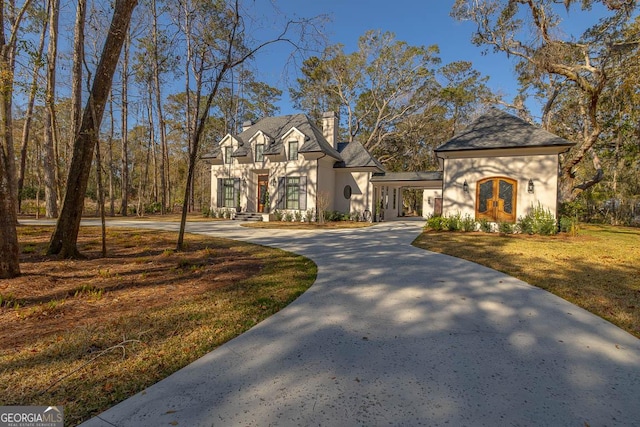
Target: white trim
[{"x": 285, "y": 137}]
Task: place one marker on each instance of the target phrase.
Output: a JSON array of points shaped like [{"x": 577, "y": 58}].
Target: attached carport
[{"x": 388, "y": 188}]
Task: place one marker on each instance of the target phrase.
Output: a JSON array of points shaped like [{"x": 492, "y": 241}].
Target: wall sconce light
[
  {"x": 244, "y": 182},
  {"x": 429, "y": 201},
  {"x": 465, "y": 186},
  {"x": 530, "y": 186}
]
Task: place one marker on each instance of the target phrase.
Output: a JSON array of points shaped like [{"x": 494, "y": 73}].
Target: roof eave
[{"x": 512, "y": 147}]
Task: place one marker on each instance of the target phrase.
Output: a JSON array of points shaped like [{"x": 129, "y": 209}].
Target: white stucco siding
[
  {"x": 326, "y": 181},
  {"x": 429, "y": 197},
  {"x": 249, "y": 171},
  {"x": 542, "y": 169},
  {"x": 361, "y": 191}
]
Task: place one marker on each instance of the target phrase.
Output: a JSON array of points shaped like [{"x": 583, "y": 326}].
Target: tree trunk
[
  {"x": 50, "y": 159},
  {"x": 78, "y": 57},
  {"x": 568, "y": 189},
  {"x": 164, "y": 162},
  {"x": 65, "y": 236},
  {"x": 112, "y": 202},
  {"x": 193, "y": 146},
  {"x": 101, "y": 199},
  {"x": 125, "y": 131},
  {"x": 9, "y": 249},
  {"x": 152, "y": 143}
]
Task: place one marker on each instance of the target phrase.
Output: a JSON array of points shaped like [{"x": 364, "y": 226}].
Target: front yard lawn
[{"x": 87, "y": 334}]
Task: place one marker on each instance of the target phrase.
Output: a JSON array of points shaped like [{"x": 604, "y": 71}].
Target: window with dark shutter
[
  {"x": 302, "y": 199},
  {"x": 236, "y": 192},
  {"x": 281, "y": 193},
  {"x": 220, "y": 198}
]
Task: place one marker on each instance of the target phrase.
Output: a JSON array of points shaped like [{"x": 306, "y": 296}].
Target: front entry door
[
  {"x": 437, "y": 208},
  {"x": 496, "y": 199},
  {"x": 263, "y": 192}
]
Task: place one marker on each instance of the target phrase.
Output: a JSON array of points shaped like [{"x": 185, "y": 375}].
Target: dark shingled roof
[
  {"x": 277, "y": 127},
  {"x": 354, "y": 155},
  {"x": 407, "y": 176},
  {"x": 498, "y": 129},
  {"x": 213, "y": 154}
]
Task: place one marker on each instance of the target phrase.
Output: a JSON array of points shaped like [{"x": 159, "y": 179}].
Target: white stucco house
[{"x": 496, "y": 168}]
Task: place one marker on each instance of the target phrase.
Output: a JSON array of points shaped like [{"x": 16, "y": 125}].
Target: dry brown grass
[
  {"x": 598, "y": 270},
  {"x": 87, "y": 334}
]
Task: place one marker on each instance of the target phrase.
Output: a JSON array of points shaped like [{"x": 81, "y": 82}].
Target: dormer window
[
  {"x": 259, "y": 152},
  {"x": 293, "y": 150},
  {"x": 227, "y": 155}
]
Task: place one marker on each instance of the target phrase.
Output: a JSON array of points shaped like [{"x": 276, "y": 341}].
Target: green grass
[{"x": 598, "y": 270}]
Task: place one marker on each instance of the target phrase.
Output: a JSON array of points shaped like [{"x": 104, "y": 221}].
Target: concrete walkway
[{"x": 394, "y": 335}]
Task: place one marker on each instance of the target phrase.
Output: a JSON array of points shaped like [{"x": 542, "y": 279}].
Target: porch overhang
[{"x": 424, "y": 180}]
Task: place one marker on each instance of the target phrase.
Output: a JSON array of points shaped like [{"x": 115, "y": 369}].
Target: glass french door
[{"x": 496, "y": 199}]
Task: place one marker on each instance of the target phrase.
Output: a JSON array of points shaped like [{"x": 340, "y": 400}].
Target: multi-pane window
[
  {"x": 292, "y": 193},
  {"x": 259, "y": 152},
  {"x": 228, "y": 192},
  {"x": 293, "y": 150},
  {"x": 292, "y": 185},
  {"x": 227, "y": 155}
]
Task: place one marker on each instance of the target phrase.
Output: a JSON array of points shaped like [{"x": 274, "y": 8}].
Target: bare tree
[
  {"x": 112, "y": 204},
  {"x": 322, "y": 204},
  {"x": 26, "y": 129},
  {"x": 217, "y": 44},
  {"x": 78, "y": 59},
  {"x": 9, "y": 250},
  {"x": 124, "y": 204},
  {"x": 50, "y": 157},
  {"x": 65, "y": 236},
  {"x": 164, "y": 162}
]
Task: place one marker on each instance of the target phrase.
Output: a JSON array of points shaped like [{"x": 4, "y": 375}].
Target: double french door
[{"x": 496, "y": 199}]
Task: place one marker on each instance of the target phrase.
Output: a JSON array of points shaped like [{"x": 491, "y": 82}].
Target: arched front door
[{"x": 496, "y": 199}]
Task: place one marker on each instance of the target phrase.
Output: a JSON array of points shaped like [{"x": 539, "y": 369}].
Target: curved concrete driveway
[{"x": 394, "y": 335}]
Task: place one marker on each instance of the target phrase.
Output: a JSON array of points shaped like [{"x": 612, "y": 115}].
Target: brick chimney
[{"x": 330, "y": 128}]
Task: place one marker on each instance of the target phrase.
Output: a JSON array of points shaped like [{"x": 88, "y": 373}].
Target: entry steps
[{"x": 247, "y": 216}]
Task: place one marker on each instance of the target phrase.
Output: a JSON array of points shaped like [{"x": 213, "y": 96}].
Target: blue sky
[{"x": 418, "y": 22}]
